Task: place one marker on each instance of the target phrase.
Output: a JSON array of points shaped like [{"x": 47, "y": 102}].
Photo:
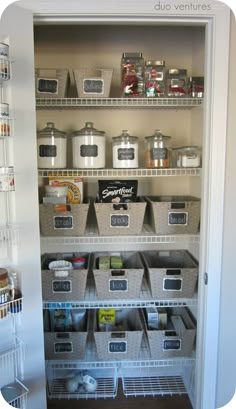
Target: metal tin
[{"x": 7, "y": 183}]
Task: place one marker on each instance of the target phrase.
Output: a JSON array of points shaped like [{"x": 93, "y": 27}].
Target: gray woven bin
[
  {"x": 120, "y": 345},
  {"x": 74, "y": 282},
  {"x": 92, "y": 82},
  {"x": 66, "y": 345},
  {"x": 173, "y": 342},
  {"x": 119, "y": 284},
  {"x": 63, "y": 223},
  {"x": 171, "y": 274},
  {"x": 51, "y": 83},
  {"x": 113, "y": 220},
  {"x": 174, "y": 214}
]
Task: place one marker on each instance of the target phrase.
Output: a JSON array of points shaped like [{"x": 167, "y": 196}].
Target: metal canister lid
[
  {"x": 125, "y": 137},
  {"x": 50, "y": 131},
  {"x": 158, "y": 136},
  {"x": 88, "y": 130},
  {"x": 155, "y": 62}
]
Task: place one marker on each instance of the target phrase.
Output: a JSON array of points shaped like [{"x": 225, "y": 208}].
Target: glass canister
[
  {"x": 188, "y": 156},
  {"x": 154, "y": 79},
  {"x": 89, "y": 147},
  {"x": 176, "y": 82},
  {"x": 52, "y": 147},
  {"x": 125, "y": 151},
  {"x": 196, "y": 87},
  {"x": 132, "y": 75},
  {"x": 157, "y": 152},
  {"x": 4, "y": 291}
]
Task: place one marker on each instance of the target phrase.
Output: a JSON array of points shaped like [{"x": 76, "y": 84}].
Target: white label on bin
[
  {"x": 61, "y": 286},
  {"x": 177, "y": 218},
  {"x": 93, "y": 86},
  {"x": 47, "y": 86},
  {"x": 118, "y": 285},
  {"x": 119, "y": 220},
  {"x": 60, "y": 347},
  {"x": 117, "y": 347},
  {"x": 172, "y": 284},
  {"x": 172, "y": 345},
  {"x": 63, "y": 222}
]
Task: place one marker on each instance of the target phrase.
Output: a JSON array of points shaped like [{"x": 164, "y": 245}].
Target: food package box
[
  {"x": 75, "y": 187},
  {"x": 117, "y": 191}
]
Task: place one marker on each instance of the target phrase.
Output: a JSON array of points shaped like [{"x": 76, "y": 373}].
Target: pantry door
[{"x": 215, "y": 17}]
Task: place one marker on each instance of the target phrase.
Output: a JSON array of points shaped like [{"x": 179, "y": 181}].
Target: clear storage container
[
  {"x": 125, "y": 151},
  {"x": 176, "y": 82},
  {"x": 187, "y": 157},
  {"x": 154, "y": 79},
  {"x": 196, "y": 87},
  {"x": 89, "y": 147},
  {"x": 157, "y": 152},
  {"x": 52, "y": 147},
  {"x": 132, "y": 74}
]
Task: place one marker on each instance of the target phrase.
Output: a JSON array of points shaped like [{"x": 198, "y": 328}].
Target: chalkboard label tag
[
  {"x": 46, "y": 85},
  {"x": 60, "y": 347},
  {"x": 61, "y": 286},
  {"x": 63, "y": 222},
  {"x": 172, "y": 284},
  {"x": 93, "y": 86},
  {"x": 90, "y": 151},
  {"x": 117, "y": 347},
  {"x": 125, "y": 153},
  {"x": 177, "y": 218},
  {"x": 118, "y": 285},
  {"x": 119, "y": 220},
  {"x": 47, "y": 151},
  {"x": 159, "y": 153},
  {"x": 172, "y": 345}
]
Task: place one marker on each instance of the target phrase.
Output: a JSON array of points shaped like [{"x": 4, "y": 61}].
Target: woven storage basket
[
  {"x": 119, "y": 284},
  {"x": 63, "y": 223},
  {"x": 171, "y": 274},
  {"x": 120, "y": 345},
  {"x": 174, "y": 214},
  {"x": 93, "y": 83},
  {"x": 51, "y": 83},
  {"x": 68, "y": 288},
  {"x": 176, "y": 340},
  {"x": 66, "y": 345},
  {"x": 120, "y": 219}
]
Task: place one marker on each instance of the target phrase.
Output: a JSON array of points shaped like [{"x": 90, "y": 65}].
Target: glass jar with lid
[
  {"x": 176, "y": 82},
  {"x": 154, "y": 79},
  {"x": 196, "y": 87},
  {"x": 132, "y": 74},
  {"x": 125, "y": 150},
  {"x": 89, "y": 147},
  {"x": 52, "y": 147},
  {"x": 157, "y": 152},
  {"x": 187, "y": 156}
]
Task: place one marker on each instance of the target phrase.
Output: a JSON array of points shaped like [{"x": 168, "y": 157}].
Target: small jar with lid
[
  {"x": 52, "y": 147},
  {"x": 154, "y": 79},
  {"x": 187, "y": 156},
  {"x": 89, "y": 147},
  {"x": 132, "y": 74},
  {"x": 157, "y": 152},
  {"x": 125, "y": 151},
  {"x": 4, "y": 291},
  {"x": 176, "y": 82}
]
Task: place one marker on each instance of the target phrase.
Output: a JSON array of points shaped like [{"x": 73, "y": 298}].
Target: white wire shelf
[
  {"x": 11, "y": 307},
  {"x": 94, "y": 173},
  {"x": 6, "y": 127},
  {"x": 153, "y": 386},
  {"x": 59, "y": 103},
  {"x": 12, "y": 354},
  {"x": 92, "y": 236},
  {"x": 9, "y": 234}
]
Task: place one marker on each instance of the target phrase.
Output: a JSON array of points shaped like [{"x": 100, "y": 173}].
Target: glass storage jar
[
  {"x": 157, "y": 152},
  {"x": 125, "y": 151},
  {"x": 154, "y": 79},
  {"x": 176, "y": 82},
  {"x": 89, "y": 148},
  {"x": 52, "y": 147},
  {"x": 188, "y": 156},
  {"x": 132, "y": 75},
  {"x": 196, "y": 87}
]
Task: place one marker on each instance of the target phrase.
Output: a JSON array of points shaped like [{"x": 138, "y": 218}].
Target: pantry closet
[{"x": 58, "y": 36}]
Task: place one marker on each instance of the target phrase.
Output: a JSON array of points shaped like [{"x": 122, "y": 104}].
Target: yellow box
[
  {"x": 75, "y": 187},
  {"x": 106, "y": 316}
]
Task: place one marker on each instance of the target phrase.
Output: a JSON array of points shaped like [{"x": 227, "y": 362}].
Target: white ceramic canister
[
  {"x": 52, "y": 147},
  {"x": 125, "y": 151},
  {"x": 89, "y": 148},
  {"x": 7, "y": 183}
]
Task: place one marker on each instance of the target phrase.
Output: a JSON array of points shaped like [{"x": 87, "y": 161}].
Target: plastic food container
[
  {"x": 52, "y": 147},
  {"x": 157, "y": 152},
  {"x": 176, "y": 79},
  {"x": 125, "y": 151},
  {"x": 132, "y": 74},
  {"x": 188, "y": 157},
  {"x": 55, "y": 191},
  {"x": 89, "y": 147},
  {"x": 154, "y": 79}
]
